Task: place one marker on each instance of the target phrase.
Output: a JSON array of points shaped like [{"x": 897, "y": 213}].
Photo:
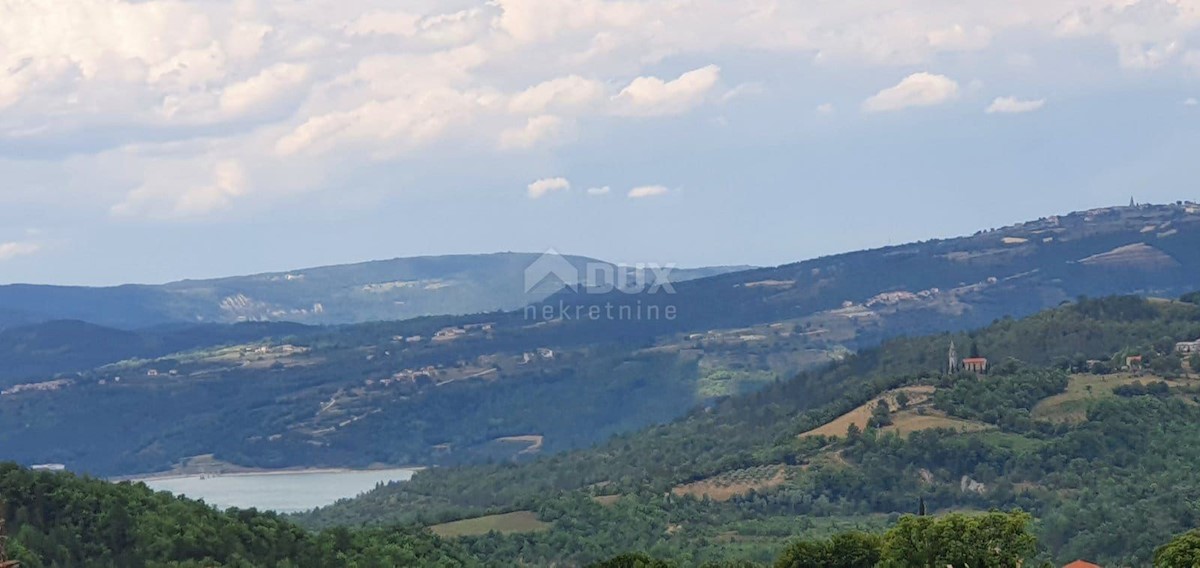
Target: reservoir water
[{"x": 284, "y": 492}]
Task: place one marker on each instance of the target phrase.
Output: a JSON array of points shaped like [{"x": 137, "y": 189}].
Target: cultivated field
[
  {"x": 909, "y": 421},
  {"x": 859, "y": 416},
  {"x": 508, "y": 523},
  {"x": 1071, "y": 406},
  {"x": 732, "y": 484}
]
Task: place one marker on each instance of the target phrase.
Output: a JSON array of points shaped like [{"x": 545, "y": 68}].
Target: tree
[
  {"x": 4, "y": 561},
  {"x": 881, "y": 415},
  {"x": 990, "y": 540},
  {"x": 1182, "y": 552},
  {"x": 853, "y": 432},
  {"x": 635, "y": 560},
  {"x": 846, "y": 550}
]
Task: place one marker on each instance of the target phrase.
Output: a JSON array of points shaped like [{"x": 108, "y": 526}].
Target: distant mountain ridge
[
  {"x": 460, "y": 389},
  {"x": 395, "y": 289},
  {"x": 1013, "y": 270}
]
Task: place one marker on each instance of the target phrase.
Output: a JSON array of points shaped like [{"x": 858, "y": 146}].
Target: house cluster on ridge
[{"x": 1187, "y": 347}]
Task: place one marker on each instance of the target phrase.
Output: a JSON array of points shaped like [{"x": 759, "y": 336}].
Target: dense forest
[
  {"x": 60, "y": 520},
  {"x": 1056, "y": 427},
  {"x": 63, "y": 521}
]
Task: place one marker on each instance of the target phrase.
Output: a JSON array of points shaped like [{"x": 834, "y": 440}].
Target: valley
[
  {"x": 451, "y": 390},
  {"x": 799, "y": 401},
  {"x": 1056, "y": 418}
]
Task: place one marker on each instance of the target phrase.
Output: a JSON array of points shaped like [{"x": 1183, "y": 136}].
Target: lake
[{"x": 284, "y": 492}]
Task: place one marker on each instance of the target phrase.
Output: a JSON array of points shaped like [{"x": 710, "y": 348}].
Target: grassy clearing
[
  {"x": 723, "y": 382},
  {"x": 908, "y": 421},
  {"x": 533, "y": 442},
  {"x": 732, "y": 484},
  {"x": 607, "y": 500},
  {"x": 508, "y": 523},
  {"x": 1071, "y": 406},
  {"x": 859, "y": 416}
]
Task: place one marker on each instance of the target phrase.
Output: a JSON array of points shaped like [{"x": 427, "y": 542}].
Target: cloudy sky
[{"x": 153, "y": 140}]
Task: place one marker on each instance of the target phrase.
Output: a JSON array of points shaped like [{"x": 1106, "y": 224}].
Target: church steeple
[{"x": 952, "y": 357}]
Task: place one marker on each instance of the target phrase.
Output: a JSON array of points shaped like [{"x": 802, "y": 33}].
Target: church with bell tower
[{"x": 952, "y": 359}]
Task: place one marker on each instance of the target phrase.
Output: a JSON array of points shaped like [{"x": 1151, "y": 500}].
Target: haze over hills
[
  {"x": 393, "y": 289},
  {"x": 460, "y": 389}
]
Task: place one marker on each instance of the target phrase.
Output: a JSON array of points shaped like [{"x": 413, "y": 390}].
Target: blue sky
[{"x": 157, "y": 140}]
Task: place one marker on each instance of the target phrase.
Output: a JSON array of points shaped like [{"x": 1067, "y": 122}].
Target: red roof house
[
  {"x": 975, "y": 364},
  {"x": 1082, "y": 564}
]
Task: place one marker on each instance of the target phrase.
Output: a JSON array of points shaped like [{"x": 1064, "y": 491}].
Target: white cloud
[
  {"x": 826, "y": 108},
  {"x": 11, "y": 250},
  {"x": 651, "y": 96},
  {"x": 744, "y": 90},
  {"x": 1191, "y": 101},
  {"x": 1147, "y": 56},
  {"x": 916, "y": 90},
  {"x": 648, "y": 191},
  {"x": 266, "y": 87},
  {"x": 958, "y": 38},
  {"x": 602, "y": 190},
  {"x": 537, "y": 130},
  {"x": 333, "y": 85},
  {"x": 571, "y": 93},
  {"x": 1013, "y": 105},
  {"x": 391, "y": 127},
  {"x": 546, "y": 186},
  {"x": 168, "y": 199},
  {"x": 384, "y": 22}
]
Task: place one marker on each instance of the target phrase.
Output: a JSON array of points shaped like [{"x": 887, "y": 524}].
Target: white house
[{"x": 1188, "y": 346}]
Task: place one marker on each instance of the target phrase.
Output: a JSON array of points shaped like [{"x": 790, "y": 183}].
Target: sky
[{"x": 155, "y": 140}]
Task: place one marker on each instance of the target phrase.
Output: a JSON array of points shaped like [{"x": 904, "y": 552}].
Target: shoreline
[{"x": 170, "y": 475}]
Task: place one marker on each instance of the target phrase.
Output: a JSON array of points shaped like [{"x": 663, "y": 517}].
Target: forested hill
[
  {"x": 66, "y": 346},
  {"x": 449, "y": 390},
  {"x": 967, "y": 281},
  {"x": 59, "y": 520},
  {"x": 393, "y": 289},
  {"x": 52, "y": 520},
  {"x": 1099, "y": 454}
]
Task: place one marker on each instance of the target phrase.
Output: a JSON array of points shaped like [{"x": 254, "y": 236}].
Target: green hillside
[
  {"x": 59, "y": 520},
  {"x": 452, "y": 390},
  {"x": 61, "y": 347},
  {"x": 741, "y": 479}
]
